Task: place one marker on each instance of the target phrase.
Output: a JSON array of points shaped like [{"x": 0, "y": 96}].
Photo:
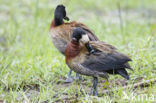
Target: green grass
[{"x": 29, "y": 61}]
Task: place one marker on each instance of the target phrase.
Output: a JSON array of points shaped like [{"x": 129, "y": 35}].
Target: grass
[{"x": 32, "y": 70}]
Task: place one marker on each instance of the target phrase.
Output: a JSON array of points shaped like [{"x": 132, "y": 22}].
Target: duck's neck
[
  {"x": 72, "y": 50},
  {"x": 58, "y": 20}
]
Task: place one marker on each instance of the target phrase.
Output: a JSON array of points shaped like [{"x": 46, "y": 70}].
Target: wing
[
  {"x": 107, "y": 59},
  {"x": 101, "y": 61},
  {"x": 102, "y": 46}
]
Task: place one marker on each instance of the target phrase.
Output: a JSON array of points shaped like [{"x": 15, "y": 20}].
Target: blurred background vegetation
[{"x": 32, "y": 70}]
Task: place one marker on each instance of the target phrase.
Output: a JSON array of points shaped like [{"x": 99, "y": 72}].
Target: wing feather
[{"x": 105, "y": 58}]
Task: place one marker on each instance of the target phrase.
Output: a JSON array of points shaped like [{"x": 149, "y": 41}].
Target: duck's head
[
  {"x": 60, "y": 12},
  {"x": 80, "y": 36}
]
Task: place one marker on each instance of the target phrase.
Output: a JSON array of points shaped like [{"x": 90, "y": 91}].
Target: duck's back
[{"x": 60, "y": 36}]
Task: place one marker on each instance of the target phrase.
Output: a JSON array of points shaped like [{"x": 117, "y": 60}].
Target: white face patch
[{"x": 85, "y": 38}]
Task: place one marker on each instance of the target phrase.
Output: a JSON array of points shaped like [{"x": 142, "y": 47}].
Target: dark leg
[
  {"x": 78, "y": 77},
  {"x": 70, "y": 72},
  {"x": 69, "y": 78},
  {"x": 94, "y": 91}
]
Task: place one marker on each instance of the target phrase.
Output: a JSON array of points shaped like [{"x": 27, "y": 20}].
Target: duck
[
  {"x": 61, "y": 32},
  {"x": 95, "y": 58}
]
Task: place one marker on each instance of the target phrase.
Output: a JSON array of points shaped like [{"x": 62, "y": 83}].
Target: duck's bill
[
  {"x": 89, "y": 48},
  {"x": 66, "y": 18}
]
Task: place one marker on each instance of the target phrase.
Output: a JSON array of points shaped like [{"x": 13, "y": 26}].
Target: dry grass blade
[{"x": 141, "y": 84}]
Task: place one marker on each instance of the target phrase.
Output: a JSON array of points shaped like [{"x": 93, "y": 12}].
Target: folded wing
[{"x": 107, "y": 59}]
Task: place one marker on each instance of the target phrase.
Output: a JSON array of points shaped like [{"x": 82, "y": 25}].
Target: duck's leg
[
  {"x": 94, "y": 91},
  {"x": 78, "y": 77},
  {"x": 69, "y": 78}
]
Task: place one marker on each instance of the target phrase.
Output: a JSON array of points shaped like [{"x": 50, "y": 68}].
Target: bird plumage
[
  {"x": 61, "y": 32},
  {"x": 95, "y": 58},
  {"x": 105, "y": 59}
]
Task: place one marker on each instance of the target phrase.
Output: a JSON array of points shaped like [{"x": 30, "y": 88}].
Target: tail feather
[
  {"x": 128, "y": 66},
  {"x": 123, "y": 73}
]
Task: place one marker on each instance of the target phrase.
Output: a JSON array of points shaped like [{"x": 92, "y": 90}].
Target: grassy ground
[{"x": 32, "y": 70}]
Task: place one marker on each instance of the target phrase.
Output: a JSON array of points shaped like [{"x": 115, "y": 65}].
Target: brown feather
[
  {"x": 102, "y": 46},
  {"x": 52, "y": 24},
  {"x": 72, "y": 50}
]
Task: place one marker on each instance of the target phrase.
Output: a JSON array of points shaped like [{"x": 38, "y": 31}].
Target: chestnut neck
[
  {"x": 74, "y": 43},
  {"x": 72, "y": 50}
]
